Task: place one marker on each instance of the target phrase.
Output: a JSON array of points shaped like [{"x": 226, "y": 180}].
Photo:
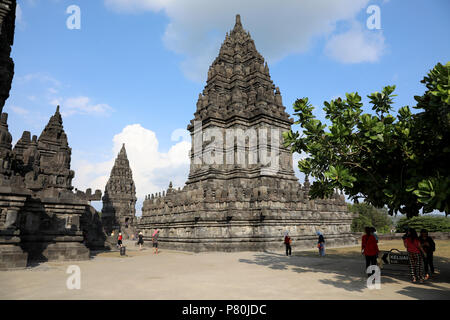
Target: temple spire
[
  {"x": 120, "y": 195},
  {"x": 54, "y": 131},
  {"x": 239, "y": 83},
  {"x": 123, "y": 151},
  {"x": 238, "y": 21}
]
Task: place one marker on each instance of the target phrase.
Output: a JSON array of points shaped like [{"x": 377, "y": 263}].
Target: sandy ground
[{"x": 223, "y": 276}]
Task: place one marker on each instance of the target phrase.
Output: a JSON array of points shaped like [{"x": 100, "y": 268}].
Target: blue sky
[{"x": 134, "y": 70}]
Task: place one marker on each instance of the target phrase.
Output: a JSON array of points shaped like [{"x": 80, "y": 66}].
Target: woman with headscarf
[
  {"x": 155, "y": 241},
  {"x": 287, "y": 243},
  {"x": 321, "y": 244}
]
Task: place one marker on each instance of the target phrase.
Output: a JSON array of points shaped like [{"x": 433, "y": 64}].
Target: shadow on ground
[{"x": 349, "y": 274}]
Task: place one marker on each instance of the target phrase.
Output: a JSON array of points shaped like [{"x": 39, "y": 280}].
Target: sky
[{"x": 131, "y": 73}]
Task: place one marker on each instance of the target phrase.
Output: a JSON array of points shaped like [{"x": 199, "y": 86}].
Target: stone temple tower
[
  {"x": 242, "y": 193},
  {"x": 119, "y": 200}
]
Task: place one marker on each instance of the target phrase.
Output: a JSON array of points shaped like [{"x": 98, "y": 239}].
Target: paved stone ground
[{"x": 242, "y": 275}]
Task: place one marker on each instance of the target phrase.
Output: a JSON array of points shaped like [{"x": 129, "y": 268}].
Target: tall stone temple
[
  {"x": 237, "y": 196},
  {"x": 119, "y": 200},
  {"x": 41, "y": 217}
]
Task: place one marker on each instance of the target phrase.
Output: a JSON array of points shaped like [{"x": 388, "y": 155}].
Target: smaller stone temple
[
  {"x": 119, "y": 200},
  {"x": 41, "y": 217}
]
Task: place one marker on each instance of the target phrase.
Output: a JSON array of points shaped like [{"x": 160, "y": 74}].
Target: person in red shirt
[
  {"x": 369, "y": 248},
  {"x": 119, "y": 240},
  {"x": 414, "y": 248}
]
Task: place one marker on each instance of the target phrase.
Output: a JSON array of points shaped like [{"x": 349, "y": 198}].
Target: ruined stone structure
[
  {"x": 241, "y": 200},
  {"x": 119, "y": 200},
  {"x": 41, "y": 217}
]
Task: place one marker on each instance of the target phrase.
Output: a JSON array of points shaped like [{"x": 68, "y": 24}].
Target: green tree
[
  {"x": 396, "y": 161},
  {"x": 369, "y": 216},
  {"x": 431, "y": 223}
]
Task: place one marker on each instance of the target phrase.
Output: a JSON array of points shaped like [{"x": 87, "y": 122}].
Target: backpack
[{"x": 287, "y": 240}]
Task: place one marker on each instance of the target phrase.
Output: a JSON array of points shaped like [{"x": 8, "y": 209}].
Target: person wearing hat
[{"x": 141, "y": 240}]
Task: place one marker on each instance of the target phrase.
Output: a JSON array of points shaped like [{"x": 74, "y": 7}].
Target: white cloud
[
  {"x": 40, "y": 77},
  {"x": 49, "y": 88},
  {"x": 19, "y": 15},
  {"x": 197, "y": 27},
  {"x": 81, "y": 105},
  {"x": 136, "y": 5},
  {"x": 356, "y": 45},
  {"x": 152, "y": 169},
  {"x": 18, "y": 110},
  {"x": 182, "y": 134}
]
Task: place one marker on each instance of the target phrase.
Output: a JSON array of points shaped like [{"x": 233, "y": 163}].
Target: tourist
[
  {"x": 141, "y": 240},
  {"x": 369, "y": 248},
  {"x": 414, "y": 248},
  {"x": 321, "y": 244},
  {"x": 155, "y": 241},
  {"x": 287, "y": 243},
  {"x": 119, "y": 240},
  {"x": 429, "y": 247}
]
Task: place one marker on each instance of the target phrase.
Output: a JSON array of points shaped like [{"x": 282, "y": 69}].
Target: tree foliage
[
  {"x": 396, "y": 161},
  {"x": 369, "y": 216},
  {"x": 430, "y": 223}
]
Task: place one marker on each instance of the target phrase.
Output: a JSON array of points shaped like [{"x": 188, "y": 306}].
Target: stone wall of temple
[
  {"x": 241, "y": 193},
  {"x": 244, "y": 215}
]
